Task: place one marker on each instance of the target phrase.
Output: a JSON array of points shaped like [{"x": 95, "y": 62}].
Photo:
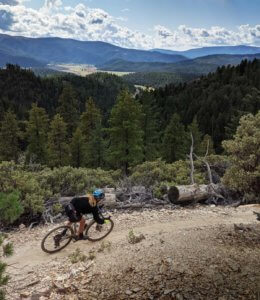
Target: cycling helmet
[{"x": 98, "y": 194}]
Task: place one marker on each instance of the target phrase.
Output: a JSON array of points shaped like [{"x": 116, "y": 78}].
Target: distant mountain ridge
[
  {"x": 38, "y": 52},
  {"x": 202, "y": 65},
  {"x": 19, "y": 60},
  {"x": 204, "y": 51},
  {"x": 59, "y": 50}
]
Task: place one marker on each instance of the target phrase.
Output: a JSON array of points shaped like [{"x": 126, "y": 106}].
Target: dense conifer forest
[
  {"x": 65, "y": 135},
  {"x": 90, "y": 115}
]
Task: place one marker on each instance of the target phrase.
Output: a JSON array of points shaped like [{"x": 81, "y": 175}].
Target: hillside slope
[
  {"x": 186, "y": 254},
  {"x": 199, "y": 66},
  {"x": 59, "y": 50}
]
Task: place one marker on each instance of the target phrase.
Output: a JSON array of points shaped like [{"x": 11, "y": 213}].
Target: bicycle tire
[
  {"x": 92, "y": 223},
  {"x": 43, "y": 246}
]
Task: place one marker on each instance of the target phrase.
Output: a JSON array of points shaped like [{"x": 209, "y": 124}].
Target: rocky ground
[{"x": 204, "y": 252}]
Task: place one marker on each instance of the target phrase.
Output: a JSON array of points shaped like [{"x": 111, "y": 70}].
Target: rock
[
  {"x": 24, "y": 294},
  {"x": 179, "y": 297},
  {"x": 128, "y": 292},
  {"x": 136, "y": 290},
  {"x": 35, "y": 297},
  {"x": 22, "y": 227},
  {"x": 110, "y": 200},
  {"x": 166, "y": 292}
]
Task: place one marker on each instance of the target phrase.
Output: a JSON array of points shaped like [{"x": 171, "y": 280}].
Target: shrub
[
  {"x": 10, "y": 207},
  {"x": 153, "y": 174},
  {"x": 133, "y": 238},
  {"x": 6, "y": 250},
  {"x": 68, "y": 181},
  {"x": 77, "y": 256}
]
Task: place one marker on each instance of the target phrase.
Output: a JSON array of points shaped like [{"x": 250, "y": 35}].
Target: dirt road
[{"x": 186, "y": 254}]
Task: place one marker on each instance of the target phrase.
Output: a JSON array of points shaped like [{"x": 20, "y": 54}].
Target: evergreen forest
[{"x": 66, "y": 134}]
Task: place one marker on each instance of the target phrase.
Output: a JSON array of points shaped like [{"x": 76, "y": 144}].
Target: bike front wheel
[
  {"x": 56, "y": 239},
  {"x": 96, "y": 232}
]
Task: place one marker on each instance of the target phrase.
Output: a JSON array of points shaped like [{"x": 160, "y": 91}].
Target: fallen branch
[{"x": 29, "y": 284}]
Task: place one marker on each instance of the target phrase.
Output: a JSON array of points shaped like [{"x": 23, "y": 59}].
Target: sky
[{"x": 139, "y": 24}]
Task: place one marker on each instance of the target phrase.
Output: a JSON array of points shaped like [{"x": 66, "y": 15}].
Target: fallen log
[{"x": 189, "y": 193}]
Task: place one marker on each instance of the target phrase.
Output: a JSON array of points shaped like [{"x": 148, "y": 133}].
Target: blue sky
[{"x": 169, "y": 24}]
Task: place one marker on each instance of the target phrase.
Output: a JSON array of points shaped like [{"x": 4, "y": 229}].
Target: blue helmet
[{"x": 98, "y": 194}]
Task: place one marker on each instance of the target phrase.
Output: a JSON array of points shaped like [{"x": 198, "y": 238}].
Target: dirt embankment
[{"x": 186, "y": 254}]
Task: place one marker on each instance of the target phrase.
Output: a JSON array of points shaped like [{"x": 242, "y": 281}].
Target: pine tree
[
  {"x": 57, "y": 147},
  {"x": 175, "y": 140},
  {"x": 244, "y": 150},
  {"x": 9, "y": 137},
  {"x": 78, "y": 149},
  {"x": 126, "y": 135},
  {"x": 91, "y": 127},
  {"x": 150, "y": 127},
  {"x": 68, "y": 108},
  {"x": 36, "y": 131}
]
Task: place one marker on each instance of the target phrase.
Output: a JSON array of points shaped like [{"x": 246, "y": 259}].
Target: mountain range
[
  {"x": 39, "y": 52},
  {"x": 58, "y": 50},
  {"x": 200, "y": 66},
  {"x": 204, "y": 51}
]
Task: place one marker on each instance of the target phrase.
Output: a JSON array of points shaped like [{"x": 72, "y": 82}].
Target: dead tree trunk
[
  {"x": 182, "y": 194},
  {"x": 188, "y": 193},
  {"x": 191, "y": 161},
  {"x": 206, "y": 163}
]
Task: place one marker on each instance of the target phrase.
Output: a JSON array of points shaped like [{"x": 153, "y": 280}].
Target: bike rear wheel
[
  {"x": 54, "y": 241},
  {"x": 96, "y": 232}
]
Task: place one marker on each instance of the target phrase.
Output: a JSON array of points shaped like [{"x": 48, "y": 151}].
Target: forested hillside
[
  {"x": 210, "y": 106},
  {"x": 20, "y": 88},
  {"x": 157, "y": 79},
  {"x": 217, "y": 100},
  {"x": 65, "y": 135}
]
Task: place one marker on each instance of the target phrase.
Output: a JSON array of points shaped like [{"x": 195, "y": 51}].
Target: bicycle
[{"x": 56, "y": 240}]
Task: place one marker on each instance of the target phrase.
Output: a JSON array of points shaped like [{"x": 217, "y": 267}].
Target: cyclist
[{"x": 84, "y": 205}]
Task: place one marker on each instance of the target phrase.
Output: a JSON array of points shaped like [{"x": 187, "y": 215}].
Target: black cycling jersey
[{"x": 82, "y": 206}]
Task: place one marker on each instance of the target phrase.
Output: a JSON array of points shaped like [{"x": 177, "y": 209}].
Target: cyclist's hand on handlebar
[{"x": 106, "y": 221}]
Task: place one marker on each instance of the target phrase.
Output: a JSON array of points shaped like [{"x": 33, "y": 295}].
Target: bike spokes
[
  {"x": 57, "y": 239},
  {"x": 97, "y": 232}
]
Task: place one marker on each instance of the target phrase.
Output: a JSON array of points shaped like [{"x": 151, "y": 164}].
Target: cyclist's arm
[{"x": 96, "y": 216}]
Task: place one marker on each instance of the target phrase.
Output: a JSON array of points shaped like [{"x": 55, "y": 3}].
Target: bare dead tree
[
  {"x": 204, "y": 160},
  {"x": 191, "y": 160}
]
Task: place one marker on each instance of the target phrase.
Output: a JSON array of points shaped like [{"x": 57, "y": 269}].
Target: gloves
[{"x": 106, "y": 221}]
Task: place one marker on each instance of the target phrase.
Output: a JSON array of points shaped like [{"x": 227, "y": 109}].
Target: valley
[{"x": 82, "y": 69}]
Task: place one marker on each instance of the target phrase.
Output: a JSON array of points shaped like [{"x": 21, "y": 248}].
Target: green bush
[
  {"x": 15, "y": 177},
  {"x": 10, "y": 207},
  {"x": 155, "y": 173},
  {"x": 37, "y": 185},
  {"x": 6, "y": 250},
  {"x": 68, "y": 181}
]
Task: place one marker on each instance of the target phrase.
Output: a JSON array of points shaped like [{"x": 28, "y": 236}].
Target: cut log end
[{"x": 173, "y": 194}]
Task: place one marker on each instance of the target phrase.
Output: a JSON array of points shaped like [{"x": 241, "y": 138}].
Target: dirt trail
[
  {"x": 192, "y": 245},
  {"x": 30, "y": 254}
]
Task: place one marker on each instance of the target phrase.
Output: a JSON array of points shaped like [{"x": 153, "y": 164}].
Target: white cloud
[
  {"x": 84, "y": 23},
  {"x": 9, "y": 2},
  {"x": 186, "y": 37}
]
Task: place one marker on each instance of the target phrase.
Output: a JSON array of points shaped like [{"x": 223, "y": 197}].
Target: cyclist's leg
[{"x": 82, "y": 223}]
